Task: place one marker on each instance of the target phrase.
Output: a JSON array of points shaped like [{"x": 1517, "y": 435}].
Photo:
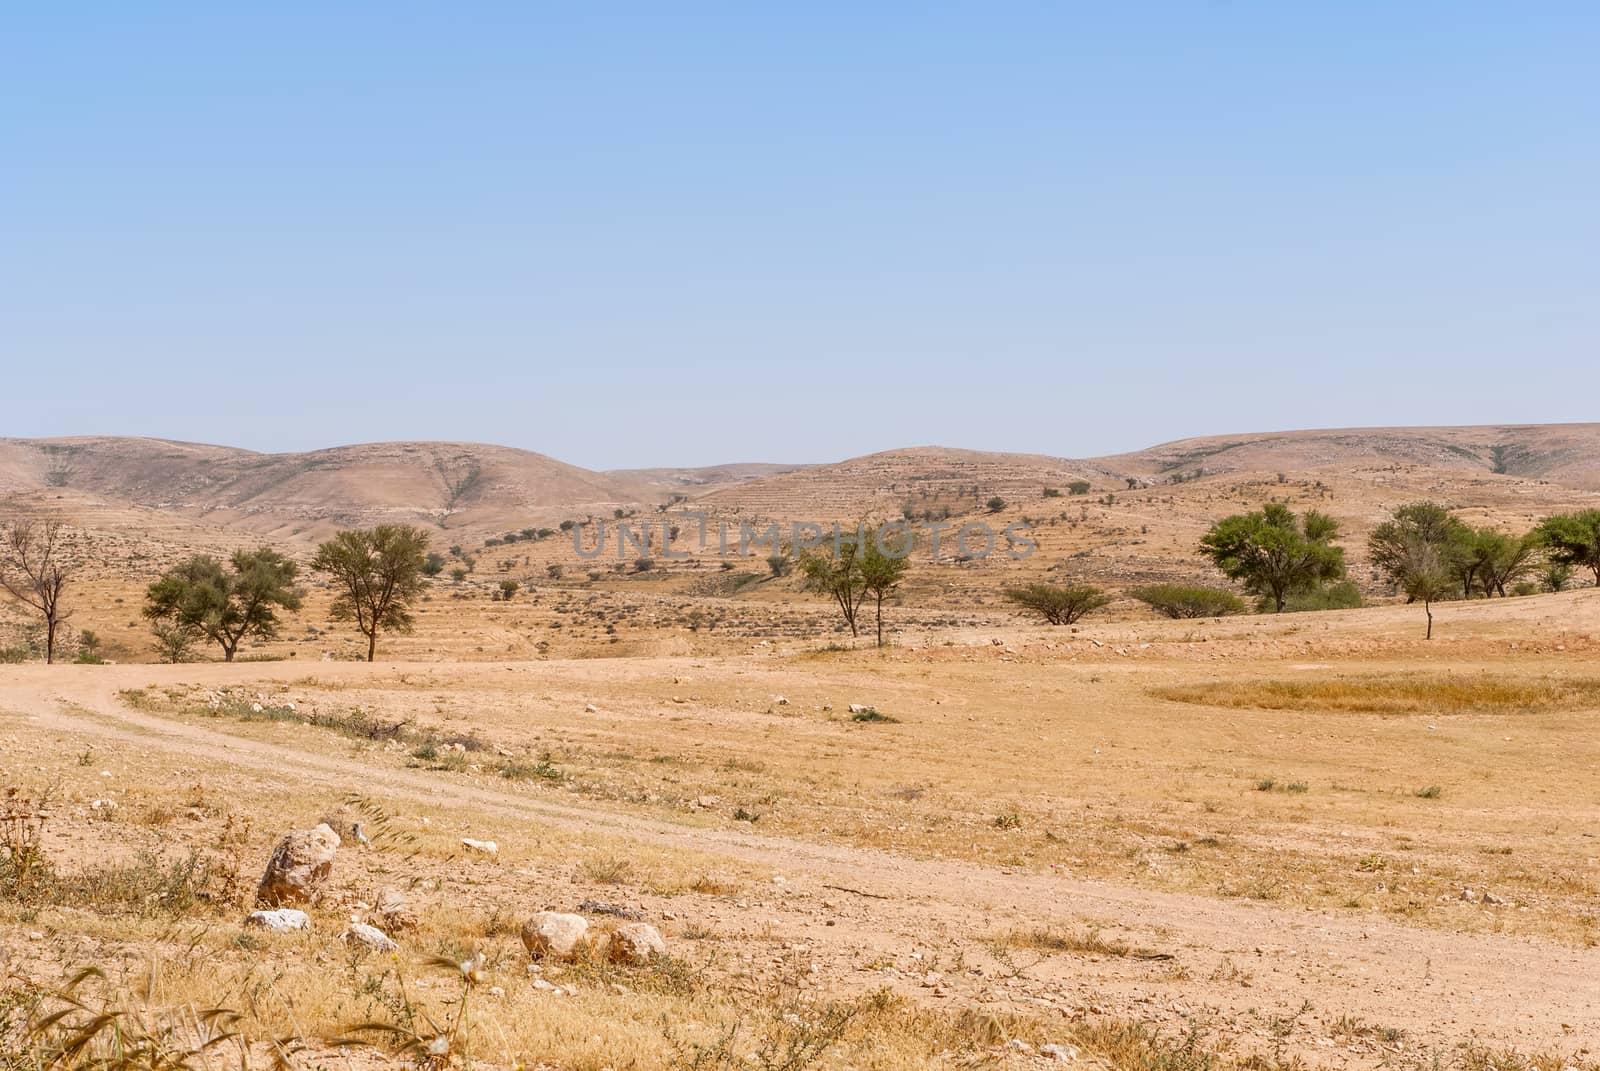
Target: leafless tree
[{"x": 34, "y": 570}]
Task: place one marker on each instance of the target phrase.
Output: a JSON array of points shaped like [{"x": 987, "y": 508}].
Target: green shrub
[
  {"x": 1343, "y": 595},
  {"x": 1059, "y": 605},
  {"x": 1189, "y": 600}
]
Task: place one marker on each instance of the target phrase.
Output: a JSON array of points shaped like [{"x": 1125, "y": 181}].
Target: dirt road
[{"x": 1439, "y": 988}]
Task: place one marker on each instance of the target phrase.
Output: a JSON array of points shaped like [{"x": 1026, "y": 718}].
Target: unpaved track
[{"x": 1439, "y": 987}]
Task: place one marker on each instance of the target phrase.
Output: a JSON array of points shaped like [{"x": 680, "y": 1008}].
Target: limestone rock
[
  {"x": 553, "y": 935},
  {"x": 299, "y": 867},
  {"x": 636, "y": 943}
]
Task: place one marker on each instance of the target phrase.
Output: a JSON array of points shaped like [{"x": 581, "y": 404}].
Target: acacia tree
[
  {"x": 1274, "y": 553},
  {"x": 1419, "y": 569},
  {"x": 1504, "y": 559},
  {"x": 33, "y": 568},
  {"x": 378, "y": 572},
  {"x": 1059, "y": 604},
  {"x": 884, "y": 562},
  {"x": 1416, "y": 522},
  {"x": 228, "y": 603},
  {"x": 838, "y": 577},
  {"x": 1573, "y": 540}
]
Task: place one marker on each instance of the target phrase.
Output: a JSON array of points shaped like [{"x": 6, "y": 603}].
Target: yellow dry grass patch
[{"x": 1421, "y": 694}]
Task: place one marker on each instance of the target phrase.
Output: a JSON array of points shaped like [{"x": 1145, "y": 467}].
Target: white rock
[
  {"x": 487, "y": 847},
  {"x": 299, "y": 866},
  {"x": 636, "y": 943},
  {"x": 554, "y": 935},
  {"x": 282, "y": 920},
  {"x": 371, "y": 936}
]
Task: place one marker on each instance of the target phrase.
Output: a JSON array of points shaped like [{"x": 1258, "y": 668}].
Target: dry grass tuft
[{"x": 1089, "y": 942}]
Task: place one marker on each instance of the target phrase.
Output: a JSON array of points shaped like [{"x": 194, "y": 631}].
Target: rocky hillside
[{"x": 1567, "y": 454}]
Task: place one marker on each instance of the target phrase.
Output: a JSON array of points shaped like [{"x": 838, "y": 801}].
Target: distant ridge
[{"x": 483, "y": 488}]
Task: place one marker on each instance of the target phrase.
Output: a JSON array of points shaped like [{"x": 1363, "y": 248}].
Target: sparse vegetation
[
  {"x": 1573, "y": 540},
  {"x": 1411, "y": 694},
  {"x": 226, "y": 604},
  {"x": 1057, "y": 603},
  {"x": 36, "y": 565},
  {"x": 1188, "y": 600},
  {"x": 378, "y": 573},
  {"x": 1275, "y": 554}
]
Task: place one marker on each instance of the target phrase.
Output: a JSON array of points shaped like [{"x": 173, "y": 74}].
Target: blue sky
[{"x": 685, "y": 234}]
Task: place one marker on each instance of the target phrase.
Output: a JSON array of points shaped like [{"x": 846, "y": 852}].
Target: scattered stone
[
  {"x": 590, "y": 708},
  {"x": 299, "y": 867},
  {"x": 636, "y": 943},
  {"x": 862, "y": 708},
  {"x": 554, "y": 935},
  {"x": 280, "y": 920},
  {"x": 371, "y": 937},
  {"x": 1061, "y": 1054},
  {"x": 394, "y": 911},
  {"x": 486, "y": 847},
  {"x": 780, "y": 700}
]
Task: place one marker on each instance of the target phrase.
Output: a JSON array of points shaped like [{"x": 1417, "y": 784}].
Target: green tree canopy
[
  {"x": 1416, "y": 522},
  {"x": 225, "y": 603},
  {"x": 1275, "y": 554},
  {"x": 377, "y": 573},
  {"x": 1573, "y": 539}
]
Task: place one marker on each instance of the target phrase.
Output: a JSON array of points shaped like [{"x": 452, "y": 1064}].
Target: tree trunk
[
  {"x": 880, "y": 620},
  {"x": 372, "y": 645},
  {"x": 49, "y": 640},
  {"x": 227, "y": 651},
  {"x": 1428, "y": 608}
]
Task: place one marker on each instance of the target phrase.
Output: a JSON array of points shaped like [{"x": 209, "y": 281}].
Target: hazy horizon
[{"x": 633, "y": 240}]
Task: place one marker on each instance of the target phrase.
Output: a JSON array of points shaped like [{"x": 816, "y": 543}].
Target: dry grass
[
  {"x": 1086, "y": 942},
  {"x": 1412, "y": 694}
]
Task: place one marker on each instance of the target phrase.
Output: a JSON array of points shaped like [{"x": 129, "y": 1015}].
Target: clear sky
[{"x": 684, "y": 234}]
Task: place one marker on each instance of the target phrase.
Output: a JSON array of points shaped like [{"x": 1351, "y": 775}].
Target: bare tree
[{"x": 32, "y": 569}]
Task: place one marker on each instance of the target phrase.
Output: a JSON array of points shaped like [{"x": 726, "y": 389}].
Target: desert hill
[
  {"x": 452, "y": 485},
  {"x": 918, "y": 479},
  {"x": 1157, "y": 500},
  {"x": 1562, "y": 453}
]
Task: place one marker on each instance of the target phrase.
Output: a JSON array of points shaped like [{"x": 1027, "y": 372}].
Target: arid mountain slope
[
  {"x": 919, "y": 479},
  {"x": 455, "y": 485},
  {"x": 1562, "y": 453},
  {"x": 480, "y": 490}
]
